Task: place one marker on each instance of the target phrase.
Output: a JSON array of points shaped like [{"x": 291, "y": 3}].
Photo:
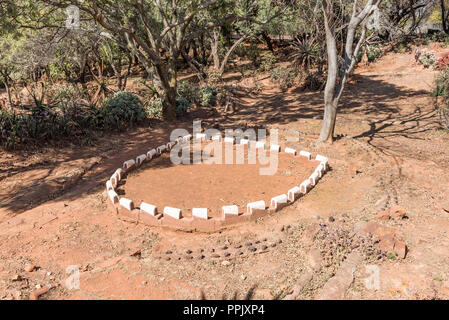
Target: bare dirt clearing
[
  {"x": 393, "y": 152},
  {"x": 212, "y": 186}
]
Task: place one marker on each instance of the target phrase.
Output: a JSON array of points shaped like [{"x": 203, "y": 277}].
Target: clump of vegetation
[
  {"x": 314, "y": 81},
  {"x": 187, "y": 91},
  {"x": 268, "y": 62},
  {"x": 209, "y": 96},
  {"x": 182, "y": 105},
  {"x": 154, "y": 108},
  {"x": 283, "y": 77},
  {"x": 306, "y": 54},
  {"x": 122, "y": 110},
  {"x": 374, "y": 53},
  {"x": 441, "y": 94},
  {"x": 253, "y": 54},
  {"x": 427, "y": 59}
]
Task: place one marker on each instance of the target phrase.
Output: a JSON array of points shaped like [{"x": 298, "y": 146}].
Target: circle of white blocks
[{"x": 202, "y": 213}]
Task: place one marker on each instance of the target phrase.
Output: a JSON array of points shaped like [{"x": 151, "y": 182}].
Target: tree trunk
[
  {"x": 332, "y": 91},
  {"x": 330, "y": 105},
  {"x": 268, "y": 41},
  {"x": 167, "y": 89},
  {"x": 8, "y": 92},
  {"x": 214, "y": 44}
]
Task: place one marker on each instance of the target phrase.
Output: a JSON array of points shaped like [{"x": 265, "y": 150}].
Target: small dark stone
[
  {"x": 331, "y": 219},
  {"x": 168, "y": 252},
  {"x": 167, "y": 258},
  {"x": 264, "y": 247},
  {"x": 239, "y": 253},
  {"x": 238, "y": 246},
  {"x": 200, "y": 257},
  {"x": 211, "y": 250},
  {"x": 257, "y": 242},
  {"x": 189, "y": 251},
  {"x": 248, "y": 244},
  {"x": 264, "y": 239},
  {"x": 215, "y": 256},
  {"x": 227, "y": 254},
  {"x": 200, "y": 250},
  {"x": 279, "y": 241},
  {"x": 273, "y": 245},
  {"x": 188, "y": 257},
  {"x": 224, "y": 248},
  {"x": 252, "y": 249}
]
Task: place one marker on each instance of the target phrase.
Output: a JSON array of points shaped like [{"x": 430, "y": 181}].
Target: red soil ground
[{"x": 391, "y": 151}]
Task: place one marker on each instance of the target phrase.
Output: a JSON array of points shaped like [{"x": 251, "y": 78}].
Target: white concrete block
[
  {"x": 290, "y": 151},
  {"x": 229, "y": 139},
  {"x": 275, "y": 147},
  {"x": 305, "y": 186},
  {"x": 293, "y": 193},
  {"x": 314, "y": 178},
  {"x": 321, "y": 158},
  {"x": 230, "y": 210},
  {"x": 275, "y": 201},
  {"x": 306, "y": 154},
  {"x": 320, "y": 170},
  {"x": 173, "y": 212},
  {"x": 109, "y": 185},
  {"x": 148, "y": 208},
  {"x": 119, "y": 174},
  {"x": 260, "y": 145},
  {"x": 187, "y": 137},
  {"x": 114, "y": 180},
  {"x": 128, "y": 164},
  {"x": 216, "y": 138},
  {"x": 151, "y": 154},
  {"x": 113, "y": 196},
  {"x": 161, "y": 149},
  {"x": 244, "y": 141},
  {"x": 200, "y": 213},
  {"x": 170, "y": 145},
  {"x": 255, "y": 205},
  {"x": 140, "y": 159},
  {"x": 127, "y": 203}
]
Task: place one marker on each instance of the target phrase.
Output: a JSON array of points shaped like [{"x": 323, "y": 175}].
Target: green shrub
[
  {"x": 253, "y": 54},
  {"x": 427, "y": 59},
  {"x": 374, "y": 52},
  {"x": 187, "y": 91},
  {"x": 182, "y": 105},
  {"x": 268, "y": 61},
  {"x": 441, "y": 94},
  {"x": 122, "y": 110},
  {"x": 208, "y": 96},
  {"x": 154, "y": 108},
  {"x": 275, "y": 74},
  {"x": 287, "y": 80},
  {"x": 314, "y": 81}
]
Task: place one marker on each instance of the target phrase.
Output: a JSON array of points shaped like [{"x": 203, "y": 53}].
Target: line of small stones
[{"x": 226, "y": 252}]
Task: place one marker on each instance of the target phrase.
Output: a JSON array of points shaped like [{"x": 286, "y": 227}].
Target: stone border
[{"x": 200, "y": 221}]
